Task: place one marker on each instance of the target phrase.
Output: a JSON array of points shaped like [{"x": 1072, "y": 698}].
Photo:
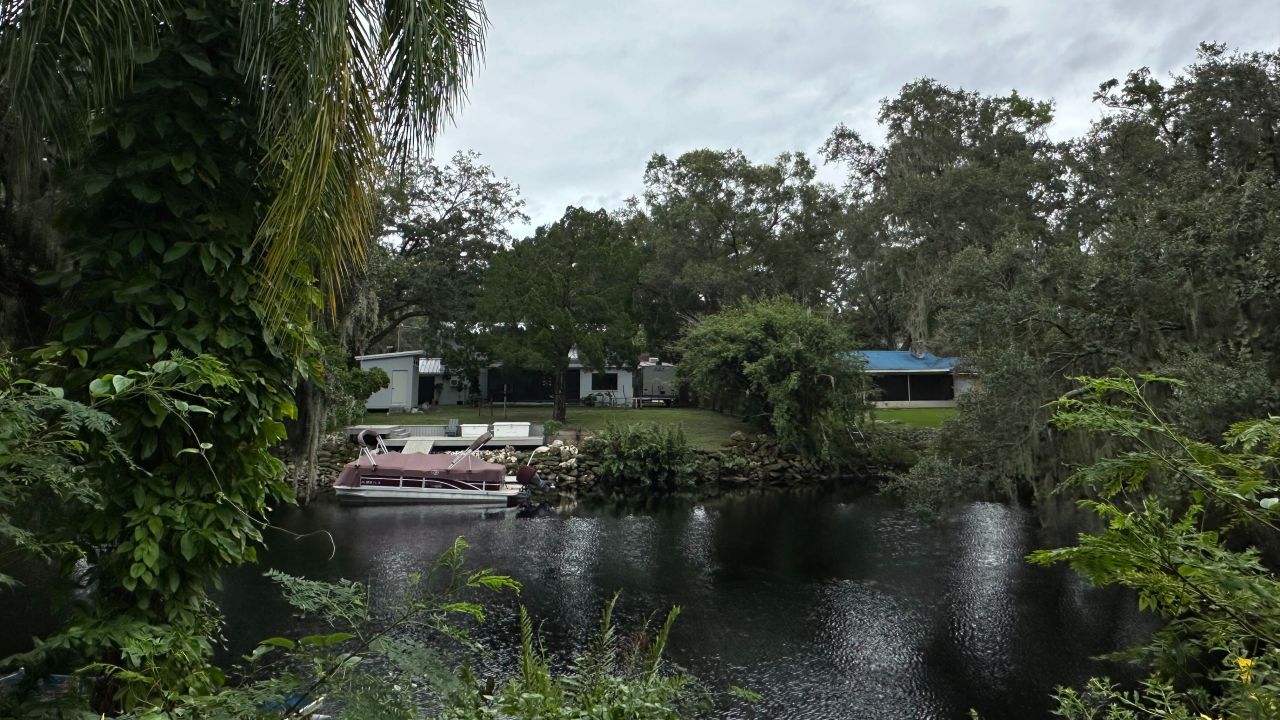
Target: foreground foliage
[
  {"x": 1184, "y": 521},
  {"x": 613, "y": 678},
  {"x": 394, "y": 658},
  {"x": 210, "y": 161}
]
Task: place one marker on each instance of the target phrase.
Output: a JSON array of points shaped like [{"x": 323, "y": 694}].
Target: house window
[
  {"x": 604, "y": 381},
  {"x": 892, "y": 387},
  {"x": 932, "y": 387}
]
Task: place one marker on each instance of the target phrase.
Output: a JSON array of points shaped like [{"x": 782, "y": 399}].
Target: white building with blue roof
[{"x": 911, "y": 380}]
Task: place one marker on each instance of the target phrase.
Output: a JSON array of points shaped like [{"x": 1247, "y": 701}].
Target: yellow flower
[{"x": 1246, "y": 665}]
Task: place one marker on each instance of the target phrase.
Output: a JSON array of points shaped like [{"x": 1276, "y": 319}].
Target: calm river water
[{"x": 829, "y": 607}]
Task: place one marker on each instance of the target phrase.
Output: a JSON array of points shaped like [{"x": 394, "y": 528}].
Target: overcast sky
[{"x": 575, "y": 95}]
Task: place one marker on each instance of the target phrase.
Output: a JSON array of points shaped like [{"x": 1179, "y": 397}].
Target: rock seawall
[
  {"x": 334, "y": 452},
  {"x": 746, "y": 461}
]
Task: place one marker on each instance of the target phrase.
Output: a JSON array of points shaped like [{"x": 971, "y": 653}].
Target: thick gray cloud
[{"x": 575, "y": 95}]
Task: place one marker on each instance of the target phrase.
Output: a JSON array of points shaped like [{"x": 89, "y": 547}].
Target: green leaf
[
  {"x": 94, "y": 184},
  {"x": 81, "y": 356},
  {"x": 125, "y": 134},
  {"x": 144, "y": 54},
  {"x": 188, "y": 545},
  {"x": 142, "y": 191},
  {"x": 183, "y": 160},
  {"x": 197, "y": 58},
  {"x": 164, "y": 366},
  {"x": 73, "y": 330},
  {"x": 159, "y": 344},
  {"x": 206, "y": 260},
  {"x": 325, "y": 640},
  {"x": 227, "y": 337},
  {"x": 174, "y": 253},
  {"x": 279, "y": 642},
  {"x": 198, "y": 94},
  {"x": 99, "y": 387},
  {"x": 1268, "y": 503},
  {"x": 121, "y": 383},
  {"x": 131, "y": 336}
]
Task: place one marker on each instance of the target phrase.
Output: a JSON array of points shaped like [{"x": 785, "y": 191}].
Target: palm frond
[
  {"x": 64, "y": 60},
  {"x": 346, "y": 89}
]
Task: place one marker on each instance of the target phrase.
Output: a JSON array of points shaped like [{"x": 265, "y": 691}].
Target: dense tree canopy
[
  {"x": 442, "y": 224},
  {"x": 715, "y": 228},
  {"x": 956, "y": 171},
  {"x": 1164, "y": 259},
  {"x": 570, "y": 286}
]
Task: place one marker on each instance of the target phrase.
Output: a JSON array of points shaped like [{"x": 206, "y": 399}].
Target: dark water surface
[{"x": 828, "y": 607}]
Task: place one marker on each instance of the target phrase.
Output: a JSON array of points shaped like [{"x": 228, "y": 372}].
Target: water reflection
[{"x": 829, "y": 609}]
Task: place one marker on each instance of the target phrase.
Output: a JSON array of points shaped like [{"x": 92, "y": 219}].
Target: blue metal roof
[{"x": 902, "y": 361}]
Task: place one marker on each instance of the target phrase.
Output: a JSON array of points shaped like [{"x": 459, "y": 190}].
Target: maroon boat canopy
[{"x": 423, "y": 465}]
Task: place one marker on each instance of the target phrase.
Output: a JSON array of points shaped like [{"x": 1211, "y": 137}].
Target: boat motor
[{"x": 528, "y": 475}]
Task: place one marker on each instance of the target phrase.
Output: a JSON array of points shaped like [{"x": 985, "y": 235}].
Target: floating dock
[{"x": 412, "y": 438}]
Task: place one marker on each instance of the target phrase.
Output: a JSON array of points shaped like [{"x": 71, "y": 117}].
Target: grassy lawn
[
  {"x": 704, "y": 428},
  {"x": 919, "y": 417}
]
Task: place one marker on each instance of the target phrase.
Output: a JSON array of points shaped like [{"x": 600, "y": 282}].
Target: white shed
[{"x": 402, "y": 368}]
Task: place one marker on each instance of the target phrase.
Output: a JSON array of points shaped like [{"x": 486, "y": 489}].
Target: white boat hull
[{"x": 510, "y": 492}]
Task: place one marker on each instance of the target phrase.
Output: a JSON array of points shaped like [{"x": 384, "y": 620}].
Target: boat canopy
[{"x": 471, "y": 470}]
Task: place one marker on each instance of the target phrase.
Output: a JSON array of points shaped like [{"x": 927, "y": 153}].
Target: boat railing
[
  {"x": 431, "y": 483},
  {"x": 365, "y": 450}
]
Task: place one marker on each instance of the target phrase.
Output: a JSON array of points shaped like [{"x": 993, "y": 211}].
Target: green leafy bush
[
  {"x": 783, "y": 367},
  {"x": 645, "y": 456},
  {"x": 550, "y": 428},
  {"x": 931, "y": 485},
  {"x": 56, "y": 458},
  {"x": 346, "y": 388},
  {"x": 613, "y": 678},
  {"x": 1180, "y": 514}
]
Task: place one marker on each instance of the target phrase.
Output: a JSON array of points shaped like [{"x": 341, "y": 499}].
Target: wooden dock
[{"x": 409, "y": 438}]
